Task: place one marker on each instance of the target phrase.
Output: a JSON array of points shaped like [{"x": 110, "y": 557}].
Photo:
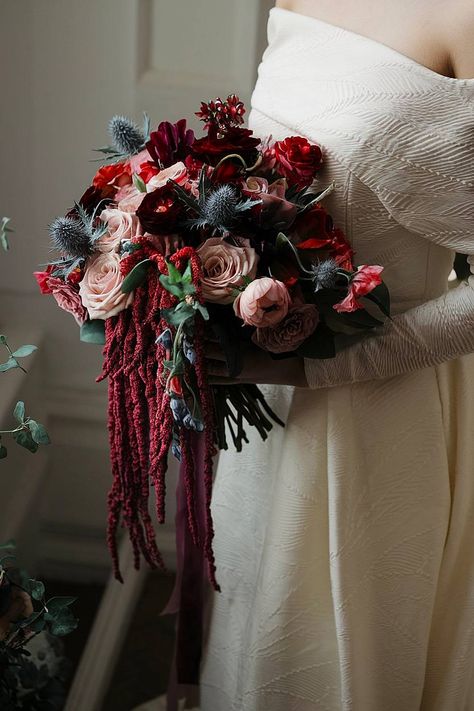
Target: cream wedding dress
[{"x": 345, "y": 543}]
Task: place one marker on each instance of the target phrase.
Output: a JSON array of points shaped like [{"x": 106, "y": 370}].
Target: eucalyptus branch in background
[{"x": 4, "y": 230}]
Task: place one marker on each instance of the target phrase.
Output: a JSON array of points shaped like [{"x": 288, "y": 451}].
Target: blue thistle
[
  {"x": 324, "y": 274},
  {"x": 71, "y": 237},
  {"x": 127, "y": 138},
  {"x": 220, "y": 208}
]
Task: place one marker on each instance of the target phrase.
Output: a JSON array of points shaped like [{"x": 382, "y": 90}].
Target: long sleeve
[{"x": 440, "y": 209}]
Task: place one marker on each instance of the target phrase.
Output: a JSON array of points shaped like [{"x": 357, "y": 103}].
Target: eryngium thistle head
[
  {"x": 126, "y": 136},
  {"x": 324, "y": 274},
  {"x": 219, "y": 209},
  {"x": 70, "y": 237}
]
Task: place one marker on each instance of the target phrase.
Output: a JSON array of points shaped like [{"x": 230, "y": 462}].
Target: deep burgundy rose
[
  {"x": 315, "y": 224},
  {"x": 228, "y": 172},
  {"x": 159, "y": 211},
  {"x": 274, "y": 212},
  {"x": 299, "y": 323},
  {"x": 298, "y": 160},
  {"x": 235, "y": 140},
  {"x": 89, "y": 201},
  {"x": 170, "y": 143}
]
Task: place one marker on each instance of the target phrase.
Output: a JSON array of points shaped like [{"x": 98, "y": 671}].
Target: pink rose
[
  {"x": 67, "y": 298},
  {"x": 291, "y": 332},
  {"x": 120, "y": 226},
  {"x": 178, "y": 172},
  {"x": 264, "y": 302},
  {"x": 223, "y": 266},
  {"x": 129, "y": 198},
  {"x": 100, "y": 289},
  {"x": 136, "y": 160}
]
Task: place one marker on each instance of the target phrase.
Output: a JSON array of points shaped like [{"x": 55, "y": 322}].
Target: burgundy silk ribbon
[{"x": 187, "y": 598}]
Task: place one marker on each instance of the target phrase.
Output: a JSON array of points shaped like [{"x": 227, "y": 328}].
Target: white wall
[{"x": 66, "y": 66}]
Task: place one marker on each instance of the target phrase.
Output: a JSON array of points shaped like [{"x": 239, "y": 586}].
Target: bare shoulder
[{"x": 458, "y": 31}]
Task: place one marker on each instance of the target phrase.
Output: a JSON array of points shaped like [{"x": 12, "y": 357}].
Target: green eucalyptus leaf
[
  {"x": 3, "y": 339},
  {"x": 188, "y": 288},
  {"x": 187, "y": 276},
  {"x": 202, "y": 310},
  {"x": 170, "y": 286},
  {"x": 9, "y": 364},
  {"x": 36, "y": 589},
  {"x": 9, "y": 545},
  {"x": 24, "y": 439},
  {"x": 19, "y": 411},
  {"x": 63, "y": 623},
  {"x": 38, "y": 432},
  {"x": 136, "y": 276},
  {"x": 58, "y": 602},
  {"x": 174, "y": 274},
  {"x": 93, "y": 331},
  {"x": 23, "y": 351},
  {"x": 176, "y": 316}
]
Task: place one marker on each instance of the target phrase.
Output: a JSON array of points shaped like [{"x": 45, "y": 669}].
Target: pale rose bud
[
  {"x": 264, "y": 302},
  {"x": 120, "y": 226},
  {"x": 178, "y": 172},
  {"x": 129, "y": 198},
  {"x": 299, "y": 323},
  {"x": 223, "y": 267},
  {"x": 100, "y": 289},
  {"x": 255, "y": 184}
]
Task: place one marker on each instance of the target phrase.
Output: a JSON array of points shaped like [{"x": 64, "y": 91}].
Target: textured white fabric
[{"x": 344, "y": 543}]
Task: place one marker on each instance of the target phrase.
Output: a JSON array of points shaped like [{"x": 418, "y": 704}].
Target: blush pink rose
[
  {"x": 100, "y": 289},
  {"x": 223, "y": 267},
  {"x": 178, "y": 172},
  {"x": 291, "y": 332},
  {"x": 120, "y": 226},
  {"x": 67, "y": 298},
  {"x": 129, "y": 198},
  {"x": 264, "y": 302}
]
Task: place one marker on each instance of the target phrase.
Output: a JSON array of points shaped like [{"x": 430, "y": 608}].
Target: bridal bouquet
[{"x": 179, "y": 238}]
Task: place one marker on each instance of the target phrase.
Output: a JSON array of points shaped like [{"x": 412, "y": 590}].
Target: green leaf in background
[
  {"x": 63, "y": 622},
  {"x": 10, "y": 363},
  {"x": 4, "y": 230},
  {"x": 19, "y": 411},
  {"x": 176, "y": 316},
  {"x": 24, "y": 439},
  {"x": 60, "y": 601},
  {"x": 3, "y": 451},
  {"x": 9, "y": 545},
  {"x": 38, "y": 432},
  {"x": 36, "y": 589},
  {"x": 187, "y": 274},
  {"x": 136, "y": 277},
  {"x": 23, "y": 351},
  {"x": 93, "y": 332}
]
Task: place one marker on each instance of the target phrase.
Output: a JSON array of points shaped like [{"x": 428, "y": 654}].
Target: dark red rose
[
  {"x": 228, "y": 172},
  {"x": 111, "y": 177},
  {"x": 170, "y": 143},
  {"x": 315, "y": 224},
  {"x": 235, "y": 140},
  {"x": 159, "y": 211},
  {"x": 298, "y": 160},
  {"x": 193, "y": 166}
]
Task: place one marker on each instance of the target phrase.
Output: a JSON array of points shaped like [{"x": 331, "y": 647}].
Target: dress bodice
[{"x": 397, "y": 139}]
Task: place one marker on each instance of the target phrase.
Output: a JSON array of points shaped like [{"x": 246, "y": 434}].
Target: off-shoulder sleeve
[{"x": 437, "y": 204}]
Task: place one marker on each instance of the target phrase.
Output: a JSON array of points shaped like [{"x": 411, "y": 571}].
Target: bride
[{"x": 344, "y": 543}]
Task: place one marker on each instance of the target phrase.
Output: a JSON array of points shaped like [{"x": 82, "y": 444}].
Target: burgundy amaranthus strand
[{"x": 140, "y": 419}]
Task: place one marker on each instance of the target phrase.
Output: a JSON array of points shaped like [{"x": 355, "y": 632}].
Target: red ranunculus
[
  {"x": 363, "y": 282},
  {"x": 148, "y": 170},
  {"x": 111, "y": 177},
  {"x": 159, "y": 211},
  {"x": 42, "y": 279},
  {"x": 298, "y": 160},
  {"x": 235, "y": 140}
]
